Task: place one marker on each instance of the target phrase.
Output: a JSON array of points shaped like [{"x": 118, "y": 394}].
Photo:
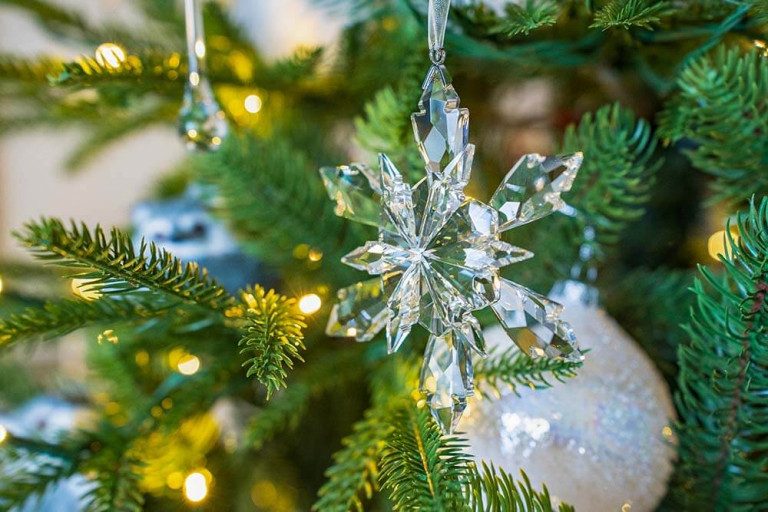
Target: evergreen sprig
[
  {"x": 522, "y": 19},
  {"x": 114, "y": 265},
  {"x": 354, "y": 475},
  {"x": 632, "y": 13},
  {"x": 272, "y": 337},
  {"x": 512, "y": 368},
  {"x": 494, "y": 490},
  {"x": 722, "y": 107},
  {"x": 723, "y": 378},
  {"x": 27, "y": 473},
  {"x": 617, "y": 173},
  {"x": 386, "y": 127},
  {"x": 421, "y": 469},
  {"x": 281, "y": 414},
  {"x": 279, "y": 173},
  {"x": 57, "y": 318},
  {"x": 117, "y": 489},
  {"x": 287, "y": 408}
]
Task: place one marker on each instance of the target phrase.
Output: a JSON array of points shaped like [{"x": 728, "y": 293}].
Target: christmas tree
[{"x": 219, "y": 389}]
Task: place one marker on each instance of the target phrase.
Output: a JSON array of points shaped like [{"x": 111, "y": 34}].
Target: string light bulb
[
  {"x": 252, "y": 103},
  {"x": 110, "y": 55},
  {"x": 718, "y": 243},
  {"x": 310, "y": 303},
  {"x": 188, "y": 365},
  {"x": 195, "y": 487},
  {"x": 3, "y": 433}
]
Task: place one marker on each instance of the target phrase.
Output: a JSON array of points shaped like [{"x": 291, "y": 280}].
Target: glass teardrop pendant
[{"x": 202, "y": 123}]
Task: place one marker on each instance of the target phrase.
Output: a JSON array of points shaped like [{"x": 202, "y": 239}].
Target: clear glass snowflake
[{"x": 439, "y": 253}]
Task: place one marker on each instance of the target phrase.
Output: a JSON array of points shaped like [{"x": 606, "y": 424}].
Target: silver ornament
[{"x": 599, "y": 441}]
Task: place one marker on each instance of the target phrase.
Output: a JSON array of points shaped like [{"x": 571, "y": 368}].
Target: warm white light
[
  {"x": 253, "y": 104},
  {"x": 192, "y": 133},
  {"x": 195, "y": 487},
  {"x": 3, "y": 433},
  {"x": 200, "y": 49},
  {"x": 194, "y": 78},
  {"x": 110, "y": 55},
  {"x": 310, "y": 303},
  {"x": 718, "y": 244},
  {"x": 81, "y": 288},
  {"x": 188, "y": 365}
]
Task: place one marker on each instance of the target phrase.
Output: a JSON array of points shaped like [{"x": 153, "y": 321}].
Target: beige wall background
[{"x": 32, "y": 178}]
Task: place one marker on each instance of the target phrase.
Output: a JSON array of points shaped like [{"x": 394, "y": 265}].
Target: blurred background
[
  {"x": 33, "y": 180},
  {"x": 89, "y": 132}
]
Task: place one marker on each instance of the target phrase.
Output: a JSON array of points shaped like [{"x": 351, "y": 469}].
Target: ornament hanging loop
[
  {"x": 437, "y": 16},
  {"x": 437, "y": 56},
  {"x": 437, "y": 19}
]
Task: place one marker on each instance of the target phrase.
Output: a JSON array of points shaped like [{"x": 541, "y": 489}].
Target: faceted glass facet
[
  {"x": 355, "y": 189},
  {"x": 447, "y": 378},
  {"x": 532, "y": 188},
  {"x": 531, "y": 320},
  {"x": 441, "y": 128},
  {"x": 360, "y": 311}
]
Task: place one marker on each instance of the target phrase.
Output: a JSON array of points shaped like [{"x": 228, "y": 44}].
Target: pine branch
[
  {"x": 421, "y": 469},
  {"x": 26, "y": 474},
  {"x": 117, "y": 486},
  {"x": 272, "y": 337},
  {"x": 28, "y": 70},
  {"x": 632, "y": 13},
  {"x": 279, "y": 174},
  {"x": 523, "y": 19},
  {"x": 724, "y": 378},
  {"x": 512, "y": 368},
  {"x": 282, "y": 413},
  {"x": 494, "y": 490},
  {"x": 722, "y": 107},
  {"x": 55, "y": 319},
  {"x": 287, "y": 408},
  {"x": 115, "y": 266},
  {"x": 354, "y": 475},
  {"x": 387, "y": 129},
  {"x": 617, "y": 173},
  {"x": 165, "y": 71}
]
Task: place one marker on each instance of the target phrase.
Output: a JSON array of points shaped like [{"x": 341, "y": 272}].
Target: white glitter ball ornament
[{"x": 600, "y": 441}]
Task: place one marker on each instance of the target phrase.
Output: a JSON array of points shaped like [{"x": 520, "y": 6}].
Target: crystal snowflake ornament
[{"x": 439, "y": 253}]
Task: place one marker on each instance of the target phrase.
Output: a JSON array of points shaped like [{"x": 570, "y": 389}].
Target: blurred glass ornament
[
  {"x": 202, "y": 123},
  {"x": 599, "y": 441},
  {"x": 184, "y": 227}
]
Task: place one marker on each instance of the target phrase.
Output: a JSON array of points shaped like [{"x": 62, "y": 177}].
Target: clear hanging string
[
  {"x": 437, "y": 20},
  {"x": 202, "y": 122}
]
